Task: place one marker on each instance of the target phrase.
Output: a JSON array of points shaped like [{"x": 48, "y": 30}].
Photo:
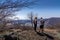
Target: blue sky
[{"x": 44, "y": 8}]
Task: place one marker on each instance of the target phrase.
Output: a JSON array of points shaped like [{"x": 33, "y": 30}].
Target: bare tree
[
  {"x": 7, "y": 7},
  {"x": 16, "y": 4},
  {"x": 4, "y": 16},
  {"x": 30, "y": 16}
]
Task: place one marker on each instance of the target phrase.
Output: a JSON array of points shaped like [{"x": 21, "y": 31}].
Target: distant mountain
[
  {"x": 50, "y": 22},
  {"x": 21, "y": 21},
  {"x": 53, "y": 22}
]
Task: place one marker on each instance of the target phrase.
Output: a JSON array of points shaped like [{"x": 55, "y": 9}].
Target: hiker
[
  {"x": 41, "y": 25},
  {"x": 35, "y": 23}
]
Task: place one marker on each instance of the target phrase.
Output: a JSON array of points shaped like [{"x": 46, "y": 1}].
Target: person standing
[
  {"x": 41, "y": 25},
  {"x": 35, "y": 23}
]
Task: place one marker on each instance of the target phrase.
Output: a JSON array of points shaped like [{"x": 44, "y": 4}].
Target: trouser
[{"x": 35, "y": 25}]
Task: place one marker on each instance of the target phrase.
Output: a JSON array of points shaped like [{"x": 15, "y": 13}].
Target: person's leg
[
  {"x": 42, "y": 28},
  {"x": 35, "y": 27}
]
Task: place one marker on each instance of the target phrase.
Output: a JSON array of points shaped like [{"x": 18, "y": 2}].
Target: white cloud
[{"x": 19, "y": 17}]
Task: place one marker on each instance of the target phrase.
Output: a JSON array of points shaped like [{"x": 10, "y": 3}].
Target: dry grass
[
  {"x": 25, "y": 34},
  {"x": 30, "y": 35}
]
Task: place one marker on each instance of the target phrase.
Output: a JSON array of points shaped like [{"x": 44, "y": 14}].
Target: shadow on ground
[{"x": 48, "y": 37}]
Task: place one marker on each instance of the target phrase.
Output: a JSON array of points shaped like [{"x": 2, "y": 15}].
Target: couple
[{"x": 41, "y": 24}]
